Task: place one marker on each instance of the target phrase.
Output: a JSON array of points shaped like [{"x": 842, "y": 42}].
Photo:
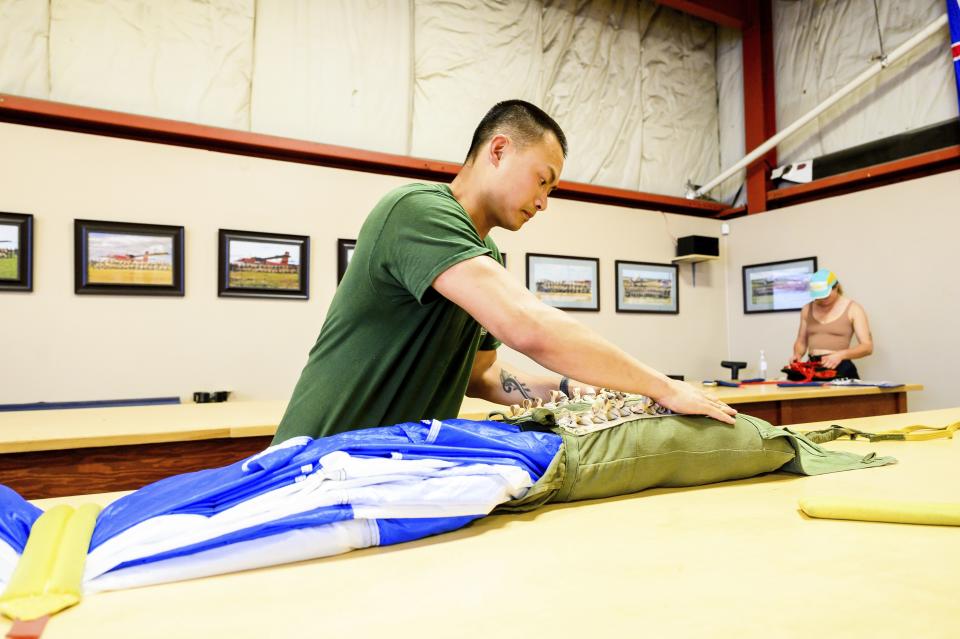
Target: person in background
[{"x": 828, "y": 324}]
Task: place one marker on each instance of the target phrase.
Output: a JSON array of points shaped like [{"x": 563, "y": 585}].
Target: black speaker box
[{"x": 698, "y": 245}]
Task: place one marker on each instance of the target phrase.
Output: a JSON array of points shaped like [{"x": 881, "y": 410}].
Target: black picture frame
[
  {"x": 258, "y": 264},
  {"x": 648, "y": 293},
  {"x": 564, "y": 266},
  {"x": 788, "y": 277},
  {"x": 127, "y": 258},
  {"x": 345, "y": 249},
  {"x": 16, "y": 252}
]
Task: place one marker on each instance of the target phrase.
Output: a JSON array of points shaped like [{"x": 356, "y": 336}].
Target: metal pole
[{"x": 871, "y": 71}]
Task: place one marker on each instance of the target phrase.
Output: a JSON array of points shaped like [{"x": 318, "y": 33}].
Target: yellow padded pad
[
  {"x": 887, "y": 510},
  {"x": 48, "y": 576}
]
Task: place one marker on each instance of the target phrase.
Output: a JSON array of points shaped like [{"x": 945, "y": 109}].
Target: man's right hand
[
  {"x": 550, "y": 337},
  {"x": 684, "y": 398}
]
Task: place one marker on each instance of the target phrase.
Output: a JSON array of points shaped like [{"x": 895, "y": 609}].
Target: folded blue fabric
[
  {"x": 208, "y": 492},
  {"x": 16, "y": 518}
]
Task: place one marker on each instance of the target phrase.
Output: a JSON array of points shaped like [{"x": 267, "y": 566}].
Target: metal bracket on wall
[{"x": 693, "y": 260}]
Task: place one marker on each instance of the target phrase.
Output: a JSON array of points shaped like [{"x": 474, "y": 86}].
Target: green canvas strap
[{"x": 916, "y": 432}]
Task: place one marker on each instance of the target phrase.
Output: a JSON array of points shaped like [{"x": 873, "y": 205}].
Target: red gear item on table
[{"x": 808, "y": 372}]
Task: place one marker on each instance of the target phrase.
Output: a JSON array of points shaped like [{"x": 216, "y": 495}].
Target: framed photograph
[
  {"x": 345, "y": 250},
  {"x": 570, "y": 283},
  {"x": 16, "y": 252},
  {"x": 121, "y": 258},
  {"x": 777, "y": 286},
  {"x": 646, "y": 287},
  {"x": 253, "y": 264}
]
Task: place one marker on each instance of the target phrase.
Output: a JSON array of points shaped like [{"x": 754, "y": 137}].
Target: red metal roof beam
[
  {"x": 729, "y": 13},
  {"x": 69, "y": 117},
  {"x": 759, "y": 101}
]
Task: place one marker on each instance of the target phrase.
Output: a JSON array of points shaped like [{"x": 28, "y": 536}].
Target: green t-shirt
[{"x": 392, "y": 349}]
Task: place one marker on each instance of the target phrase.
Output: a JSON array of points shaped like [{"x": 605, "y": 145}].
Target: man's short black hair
[{"x": 524, "y": 122}]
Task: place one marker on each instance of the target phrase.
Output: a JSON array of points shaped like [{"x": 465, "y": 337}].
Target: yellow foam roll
[
  {"x": 887, "y": 510},
  {"x": 48, "y": 576},
  {"x": 35, "y": 565},
  {"x": 67, "y": 571}
]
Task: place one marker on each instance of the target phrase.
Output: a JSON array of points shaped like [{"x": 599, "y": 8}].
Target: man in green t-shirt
[{"x": 425, "y": 301}]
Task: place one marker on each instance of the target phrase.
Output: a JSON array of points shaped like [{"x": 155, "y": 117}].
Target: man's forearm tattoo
[{"x": 511, "y": 383}]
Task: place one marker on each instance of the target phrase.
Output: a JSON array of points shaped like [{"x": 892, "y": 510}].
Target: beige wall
[
  {"x": 691, "y": 343},
  {"x": 58, "y": 346},
  {"x": 894, "y": 249}
]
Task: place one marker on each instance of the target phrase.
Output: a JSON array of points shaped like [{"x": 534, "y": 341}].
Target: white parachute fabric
[
  {"x": 592, "y": 85},
  {"x": 400, "y": 76},
  {"x": 176, "y": 59},
  {"x": 8, "y": 562},
  {"x": 298, "y": 544},
  {"x": 337, "y": 72},
  {"x": 730, "y": 114},
  {"x": 300, "y": 500},
  {"x": 468, "y": 56},
  {"x": 23, "y": 48},
  {"x": 374, "y": 488},
  {"x": 680, "y": 129},
  {"x": 632, "y": 84}
]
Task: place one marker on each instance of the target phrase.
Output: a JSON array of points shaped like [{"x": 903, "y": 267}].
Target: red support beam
[
  {"x": 915, "y": 166},
  {"x": 732, "y": 212},
  {"x": 729, "y": 13},
  {"x": 68, "y": 117},
  {"x": 759, "y": 103}
]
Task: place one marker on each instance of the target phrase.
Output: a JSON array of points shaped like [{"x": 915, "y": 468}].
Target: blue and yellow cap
[{"x": 821, "y": 283}]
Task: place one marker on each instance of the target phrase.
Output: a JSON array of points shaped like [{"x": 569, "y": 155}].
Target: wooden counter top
[
  {"x": 735, "y": 559},
  {"x": 771, "y": 392},
  {"x": 26, "y": 431},
  {"x": 39, "y": 430}
]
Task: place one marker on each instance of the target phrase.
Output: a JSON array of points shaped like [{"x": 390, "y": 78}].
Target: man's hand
[
  {"x": 684, "y": 398},
  {"x": 559, "y": 343},
  {"x": 831, "y": 361},
  {"x": 585, "y": 389}
]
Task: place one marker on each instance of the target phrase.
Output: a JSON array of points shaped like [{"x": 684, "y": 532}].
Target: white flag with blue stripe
[{"x": 953, "y": 14}]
